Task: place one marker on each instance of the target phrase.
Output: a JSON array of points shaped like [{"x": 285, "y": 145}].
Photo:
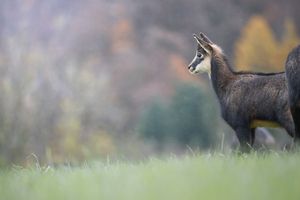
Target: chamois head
[{"x": 202, "y": 60}]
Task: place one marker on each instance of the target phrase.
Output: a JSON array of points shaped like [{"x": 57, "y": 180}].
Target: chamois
[
  {"x": 247, "y": 100},
  {"x": 292, "y": 67}
]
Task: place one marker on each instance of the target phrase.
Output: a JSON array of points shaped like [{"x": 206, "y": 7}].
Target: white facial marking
[{"x": 204, "y": 66}]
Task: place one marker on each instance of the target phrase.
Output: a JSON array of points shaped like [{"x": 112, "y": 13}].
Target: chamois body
[
  {"x": 248, "y": 100},
  {"x": 293, "y": 76}
]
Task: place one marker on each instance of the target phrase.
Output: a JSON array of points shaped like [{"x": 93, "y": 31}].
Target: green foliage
[
  {"x": 153, "y": 124},
  {"x": 189, "y": 119},
  {"x": 273, "y": 176}
]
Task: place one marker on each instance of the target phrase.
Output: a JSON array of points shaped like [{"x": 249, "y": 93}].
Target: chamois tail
[{"x": 292, "y": 67}]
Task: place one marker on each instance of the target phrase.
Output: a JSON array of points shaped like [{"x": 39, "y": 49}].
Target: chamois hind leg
[
  {"x": 244, "y": 135},
  {"x": 252, "y": 138}
]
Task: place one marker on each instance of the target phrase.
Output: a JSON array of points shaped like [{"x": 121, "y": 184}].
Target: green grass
[{"x": 269, "y": 176}]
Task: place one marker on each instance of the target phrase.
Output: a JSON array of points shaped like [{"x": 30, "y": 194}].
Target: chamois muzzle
[{"x": 191, "y": 68}]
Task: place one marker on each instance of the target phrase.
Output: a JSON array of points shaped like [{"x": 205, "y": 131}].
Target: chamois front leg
[{"x": 245, "y": 136}]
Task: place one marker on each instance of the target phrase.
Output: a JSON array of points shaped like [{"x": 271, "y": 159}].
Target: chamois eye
[{"x": 199, "y": 55}]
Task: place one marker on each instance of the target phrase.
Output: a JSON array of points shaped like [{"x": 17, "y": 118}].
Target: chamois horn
[{"x": 205, "y": 38}]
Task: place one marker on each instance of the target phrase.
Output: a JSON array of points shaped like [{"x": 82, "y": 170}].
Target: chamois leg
[
  {"x": 244, "y": 135},
  {"x": 287, "y": 122},
  {"x": 252, "y": 139}
]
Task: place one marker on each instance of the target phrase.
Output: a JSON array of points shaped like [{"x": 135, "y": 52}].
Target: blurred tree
[
  {"x": 153, "y": 124},
  {"x": 289, "y": 41},
  {"x": 259, "y": 50},
  {"x": 256, "y": 47},
  {"x": 290, "y": 36},
  {"x": 101, "y": 144},
  {"x": 192, "y": 118},
  {"x": 189, "y": 120},
  {"x": 121, "y": 36}
]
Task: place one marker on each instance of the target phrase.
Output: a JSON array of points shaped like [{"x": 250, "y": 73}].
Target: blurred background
[{"x": 99, "y": 79}]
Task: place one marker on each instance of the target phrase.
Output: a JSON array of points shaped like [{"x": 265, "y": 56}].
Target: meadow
[{"x": 208, "y": 176}]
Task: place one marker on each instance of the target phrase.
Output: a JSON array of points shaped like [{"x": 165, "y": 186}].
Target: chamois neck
[{"x": 221, "y": 74}]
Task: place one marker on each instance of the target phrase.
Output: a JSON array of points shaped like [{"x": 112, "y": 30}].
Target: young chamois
[
  {"x": 248, "y": 100},
  {"x": 292, "y": 67}
]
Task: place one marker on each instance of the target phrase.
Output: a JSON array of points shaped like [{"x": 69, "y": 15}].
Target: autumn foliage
[{"x": 258, "y": 49}]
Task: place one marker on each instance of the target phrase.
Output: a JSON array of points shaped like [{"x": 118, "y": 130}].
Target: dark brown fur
[{"x": 293, "y": 76}]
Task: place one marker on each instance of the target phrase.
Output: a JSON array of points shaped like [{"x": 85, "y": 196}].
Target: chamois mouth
[{"x": 193, "y": 70}]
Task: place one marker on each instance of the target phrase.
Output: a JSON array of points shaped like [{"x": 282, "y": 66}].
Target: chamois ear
[
  {"x": 203, "y": 43},
  {"x": 199, "y": 40},
  {"x": 205, "y": 38}
]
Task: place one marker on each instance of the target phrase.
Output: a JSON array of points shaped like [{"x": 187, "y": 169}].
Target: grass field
[{"x": 269, "y": 176}]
